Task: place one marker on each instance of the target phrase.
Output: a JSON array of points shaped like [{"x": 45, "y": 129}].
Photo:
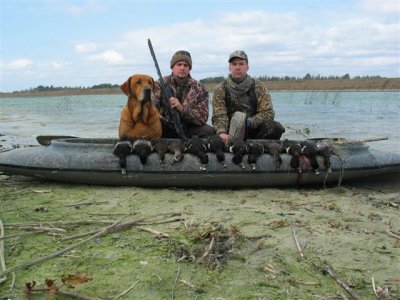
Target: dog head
[{"x": 139, "y": 87}]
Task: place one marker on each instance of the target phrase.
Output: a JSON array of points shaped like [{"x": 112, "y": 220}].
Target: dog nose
[{"x": 147, "y": 93}]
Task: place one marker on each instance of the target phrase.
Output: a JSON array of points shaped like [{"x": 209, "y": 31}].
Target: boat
[{"x": 91, "y": 161}]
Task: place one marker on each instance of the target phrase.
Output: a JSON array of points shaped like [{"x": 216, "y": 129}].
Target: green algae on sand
[{"x": 245, "y": 236}]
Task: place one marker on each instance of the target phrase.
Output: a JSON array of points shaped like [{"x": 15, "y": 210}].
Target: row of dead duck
[{"x": 301, "y": 151}]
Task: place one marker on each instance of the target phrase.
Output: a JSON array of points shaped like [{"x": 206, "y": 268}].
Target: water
[{"x": 351, "y": 115}]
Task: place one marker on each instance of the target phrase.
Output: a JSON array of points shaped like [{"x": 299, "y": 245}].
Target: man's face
[
  {"x": 181, "y": 69},
  {"x": 238, "y": 68}
]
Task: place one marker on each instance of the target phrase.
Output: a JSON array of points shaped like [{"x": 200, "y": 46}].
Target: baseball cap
[{"x": 238, "y": 54}]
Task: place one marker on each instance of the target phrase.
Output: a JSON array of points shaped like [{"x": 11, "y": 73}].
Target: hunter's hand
[
  {"x": 224, "y": 136},
  {"x": 176, "y": 104}
]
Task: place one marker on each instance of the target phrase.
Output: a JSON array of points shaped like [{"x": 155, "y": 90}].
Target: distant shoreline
[{"x": 327, "y": 85}]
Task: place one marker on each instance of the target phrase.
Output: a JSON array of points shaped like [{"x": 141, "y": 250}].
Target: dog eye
[{"x": 138, "y": 82}]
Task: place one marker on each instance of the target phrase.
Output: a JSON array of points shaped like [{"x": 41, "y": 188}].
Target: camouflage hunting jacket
[
  {"x": 222, "y": 114},
  {"x": 193, "y": 97}
]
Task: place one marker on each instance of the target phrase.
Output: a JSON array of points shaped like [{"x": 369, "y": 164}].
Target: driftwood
[
  {"x": 126, "y": 291},
  {"x": 91, "y": 222},
  {"x": 391, "y": 233},
  {"x": 3, "y": 268},
  {"x": 207, "y": 253},
  {"x": 62, "y": 251},
  {"x": 87, "y": 203},
  {"x": 126, "y": 225},
  {"x": 176, "y": 280},
  {"x": 41, "y": 229},
  {"x": 329, "y": 270},
  {"x": 156, "y": 233},
  {"x": 295, "y": 237},
  {"x": 374, "y": 288}
]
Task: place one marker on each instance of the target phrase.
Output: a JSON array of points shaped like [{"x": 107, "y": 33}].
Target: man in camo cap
[{"x": 242, "y": 106}]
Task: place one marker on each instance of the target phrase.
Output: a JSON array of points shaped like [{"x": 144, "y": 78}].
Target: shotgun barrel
[{"x": 166, "y": 95}]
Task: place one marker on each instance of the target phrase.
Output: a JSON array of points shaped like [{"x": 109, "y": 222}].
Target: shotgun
[{"x": 166, "y": 95}]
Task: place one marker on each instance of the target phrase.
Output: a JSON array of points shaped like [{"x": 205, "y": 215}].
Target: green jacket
[{"x": 221, "y": 116}]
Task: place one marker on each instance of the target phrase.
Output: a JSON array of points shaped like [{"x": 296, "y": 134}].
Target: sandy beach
[{"x": 200, "y": 244}]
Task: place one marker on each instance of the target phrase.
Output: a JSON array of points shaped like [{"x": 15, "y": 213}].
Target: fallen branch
[
  {"x": 176, "y": 279},
  {"x": 374, "y": 288},
  {"x": 59, "y": 223},
  {"x": 329, "y": 270},
  {"x": 191, "y": 285},
  {"x": 124, "y": 226},
  {"x": 126, "y": 291},
  {"x": 271, "y": 270},
  {"x": 391, "y": 233},
  {"x": 111, "y": 214},
  {"x": 12, "y": 282},
  {"x": 207, "y": 253},
  {"x": 86, "y": 203},
  {"x": 41, "y": 229},
  {"x": 295, "y": 237},
  {"x": 62, "y": 251},
  {"x": 92, "y": 222},
  {"x": 157, "y": 234},
  {"x": 3, "y": 268}
]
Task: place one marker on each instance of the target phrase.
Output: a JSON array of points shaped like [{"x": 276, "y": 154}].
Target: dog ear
[{"x": 125, "y": 87}]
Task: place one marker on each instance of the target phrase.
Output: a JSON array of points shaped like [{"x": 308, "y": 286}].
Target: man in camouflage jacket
[
  {"x": 190, "y": 99},
  {"x": 242, "y": 106}
]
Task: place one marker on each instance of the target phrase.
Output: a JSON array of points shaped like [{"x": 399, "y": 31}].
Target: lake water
[{"x": 352, "y": 115}]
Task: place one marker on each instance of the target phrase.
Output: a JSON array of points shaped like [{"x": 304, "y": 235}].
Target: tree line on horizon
[{"x": 208, "y": 80}]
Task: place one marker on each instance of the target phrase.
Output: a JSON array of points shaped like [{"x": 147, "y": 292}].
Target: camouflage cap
[{"x": 238, "y": 54}]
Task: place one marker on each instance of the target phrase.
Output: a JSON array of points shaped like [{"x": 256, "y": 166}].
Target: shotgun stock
[{"x": 166, "y": 95}]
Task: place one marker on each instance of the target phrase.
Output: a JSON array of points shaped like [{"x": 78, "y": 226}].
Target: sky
[{"x": 81, "y": 43}]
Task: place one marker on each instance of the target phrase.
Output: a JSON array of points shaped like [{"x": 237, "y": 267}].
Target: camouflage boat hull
[{"x": 90, "y": 161}]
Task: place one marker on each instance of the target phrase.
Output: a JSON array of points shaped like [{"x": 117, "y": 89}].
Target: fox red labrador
[{"x": 139, "y": 118}]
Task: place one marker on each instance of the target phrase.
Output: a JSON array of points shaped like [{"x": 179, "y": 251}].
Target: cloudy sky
[{"x": 87, "y": 42}]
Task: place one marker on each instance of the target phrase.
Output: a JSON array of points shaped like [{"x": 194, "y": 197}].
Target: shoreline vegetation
[{"x": 370, "y": 84}]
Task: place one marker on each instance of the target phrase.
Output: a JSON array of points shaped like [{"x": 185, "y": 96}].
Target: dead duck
[
  {"x": 121, "y": 150},
  {"x": 325, "y": 149},
  {"x": 309, "y": 150},
  {"x": 239, "y": 150},
  {"x": 161, "y": 147},
  {"x": 274, "y": 148},
  {"x": 176, "y": 147},
  {"x": 198, "y": 147},
  {"x": 294, "y": 149},
  {"x": 217, "y": 145},
  {"x": 255, "y": 150},
  {"x": 142, "y": 148}
]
